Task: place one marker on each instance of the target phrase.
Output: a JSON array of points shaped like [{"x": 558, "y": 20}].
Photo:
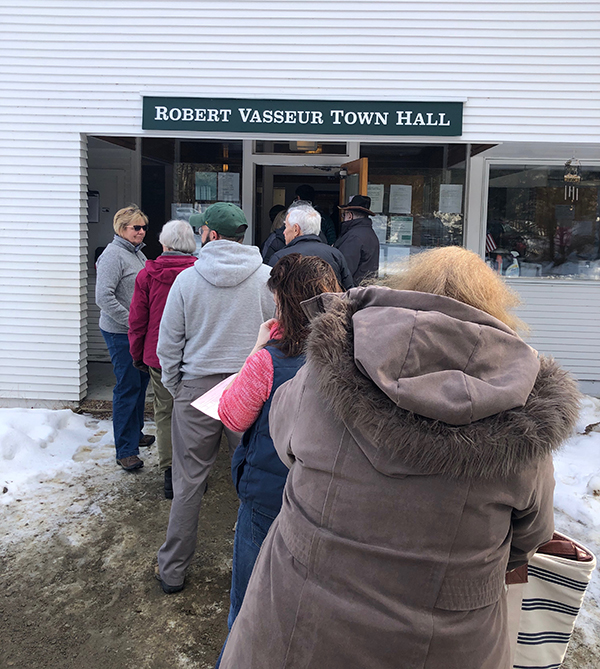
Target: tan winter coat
[{"x": 420, "y": 436}]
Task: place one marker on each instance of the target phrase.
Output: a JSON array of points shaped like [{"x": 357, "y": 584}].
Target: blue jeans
[
  {"x": 129, "y": 396},
  {"x": 250, "y": 532}
]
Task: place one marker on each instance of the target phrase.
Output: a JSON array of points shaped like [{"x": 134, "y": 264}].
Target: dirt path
[{"x": 84, "y": 596}]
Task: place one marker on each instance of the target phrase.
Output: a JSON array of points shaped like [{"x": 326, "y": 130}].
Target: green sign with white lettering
[{"x": 306, "y": 117}]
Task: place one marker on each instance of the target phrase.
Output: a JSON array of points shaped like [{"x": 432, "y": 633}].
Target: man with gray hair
[{"x": 301, "y": 232}]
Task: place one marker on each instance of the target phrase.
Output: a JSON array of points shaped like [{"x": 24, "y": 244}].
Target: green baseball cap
[{"x": 225, "y": 218}]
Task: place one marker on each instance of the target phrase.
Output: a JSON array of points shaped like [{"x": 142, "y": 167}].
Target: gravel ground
[{"x": 82, "y": 594}]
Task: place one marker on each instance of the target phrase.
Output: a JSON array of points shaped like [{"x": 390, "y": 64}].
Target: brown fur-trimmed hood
[{"x": 425, "y": 383}]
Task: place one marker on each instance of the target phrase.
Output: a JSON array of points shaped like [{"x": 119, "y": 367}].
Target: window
[
  {"x": 417, "y": 194},
  {"x": 538, "y": 227},
  {"x": 306, "y": 147},
  {"x": 181, "y": 177}
]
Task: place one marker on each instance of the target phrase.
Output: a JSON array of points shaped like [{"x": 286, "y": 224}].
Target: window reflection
[
  {"x": 417, "y": 193},
  {"x": 537, "y": 228}
]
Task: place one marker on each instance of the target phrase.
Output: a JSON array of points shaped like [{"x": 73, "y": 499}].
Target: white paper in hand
[{"x": 209, "y": 402}]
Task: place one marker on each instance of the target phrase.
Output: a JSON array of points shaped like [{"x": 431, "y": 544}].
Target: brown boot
[
  {"x": 147, "y": 440},
  {"x": 130, "y": 463}
]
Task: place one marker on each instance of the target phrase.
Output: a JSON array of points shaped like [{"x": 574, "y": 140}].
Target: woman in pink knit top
[{"x": 258, "y": 473}]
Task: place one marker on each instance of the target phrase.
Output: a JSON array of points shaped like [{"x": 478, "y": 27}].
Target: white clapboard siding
[
  {"x": 564, "y": 321},
  {"x": 43, "y": 273},
  {"x": 97, "y": 351},
  {"x": 526, "y": 71}
]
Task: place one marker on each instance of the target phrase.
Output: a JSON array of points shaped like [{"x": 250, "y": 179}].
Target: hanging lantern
[{"x": 572, "y": 177}]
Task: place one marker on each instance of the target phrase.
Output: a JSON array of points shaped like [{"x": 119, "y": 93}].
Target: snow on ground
[
  {"x": 46, "y": 457},
  {"x": 35, "y": 443},
  {"x": 43, "y": 454},
  {"x": 577, "y": 502}
]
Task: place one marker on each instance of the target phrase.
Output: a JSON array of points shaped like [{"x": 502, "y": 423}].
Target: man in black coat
[
  {"x": 301, "y": 231},
  {"x": 358, "y": 241}
]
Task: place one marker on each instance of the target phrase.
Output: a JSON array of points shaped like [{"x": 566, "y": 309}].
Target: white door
[{"x": 110, "y": 184}]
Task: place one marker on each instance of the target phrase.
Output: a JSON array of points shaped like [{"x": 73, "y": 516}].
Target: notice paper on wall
[
  {"x": 400, "y": 199},
  {"x": 380, "y": 227},
  {"x": 375, "y": 192},
  {"x": 391, "y": 255},
  {"x": 229, "y": 187},
  {"x": 279, "y": 196},
  {"x": 209, "y": 402},
  {"x": 206, "y": 186},
  {"x": 450, "y": 198},
  {"x": 401, "y": 230},
  {"x": 183, "y": 210}
]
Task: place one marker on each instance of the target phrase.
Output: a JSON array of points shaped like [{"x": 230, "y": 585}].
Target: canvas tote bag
[{"x": 543, "y": 605}]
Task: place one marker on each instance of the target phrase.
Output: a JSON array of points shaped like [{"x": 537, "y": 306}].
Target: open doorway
[
  {"x": 175, "y": 177},
  {"x": 277, "y": 184}
]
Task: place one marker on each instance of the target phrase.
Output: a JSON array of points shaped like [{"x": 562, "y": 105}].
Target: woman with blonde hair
[
  {"x": 116, "y": 271},
  {"x": 419, "y": 436},
  {"x": 443, "y": 271}
]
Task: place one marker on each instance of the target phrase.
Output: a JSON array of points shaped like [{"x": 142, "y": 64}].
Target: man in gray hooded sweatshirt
[{"x": 209, "y": 326}]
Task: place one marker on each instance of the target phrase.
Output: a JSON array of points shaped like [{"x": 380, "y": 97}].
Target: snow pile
[
  {"x": 57, "y": 471},
  {"x": 577, "y": 502},
  {"x": 37, "y": 443},
  {"x": 577, "y": 469}
]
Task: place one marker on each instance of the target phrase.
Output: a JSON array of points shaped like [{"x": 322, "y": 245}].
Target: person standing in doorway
[
  {"x": 275, "y": 241},
  {"x": 306, "y": 193},
  {"x": 301, "y": 232},
  {"x": 208, "y": 328},
  {"x": 116, "y": 270},
  {"x": 358, "y": 241},
  {"x": 152, "y": 287}
]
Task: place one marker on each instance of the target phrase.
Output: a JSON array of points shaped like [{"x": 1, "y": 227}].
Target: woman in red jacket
[{"x": 152, "y": 287}]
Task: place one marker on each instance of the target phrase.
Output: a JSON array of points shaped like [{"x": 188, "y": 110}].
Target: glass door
[{"x": 354, "y": 179}]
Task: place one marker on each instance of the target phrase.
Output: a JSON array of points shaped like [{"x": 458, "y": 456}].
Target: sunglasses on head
[{"x": 137, "y": 228}]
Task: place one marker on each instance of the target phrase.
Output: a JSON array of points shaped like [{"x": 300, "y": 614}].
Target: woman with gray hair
[{"x": 152, "y": 287}]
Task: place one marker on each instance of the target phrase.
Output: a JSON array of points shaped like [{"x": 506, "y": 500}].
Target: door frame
[
  {"x": 359, "y": 166},
  {"x": 250, "y": 160}
]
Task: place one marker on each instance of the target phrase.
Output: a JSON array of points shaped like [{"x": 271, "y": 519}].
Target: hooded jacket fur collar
[{"x": 430, "y": 385}]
